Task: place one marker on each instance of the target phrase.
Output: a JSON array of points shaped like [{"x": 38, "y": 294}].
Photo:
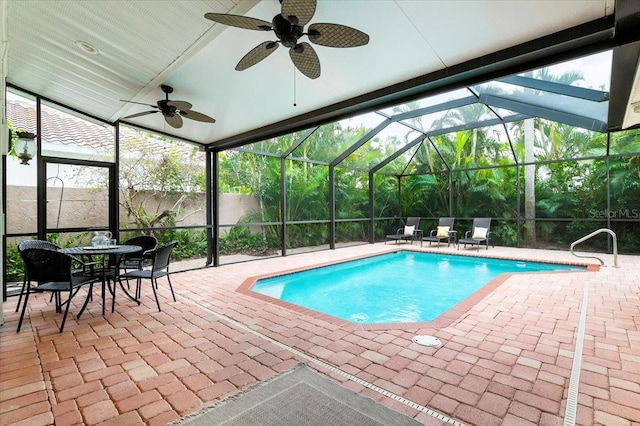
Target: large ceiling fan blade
[
  {"x": 239, "y": 21},
  {"x": 298, "y": 12},
  {"x": 306, "y": 60},
  {"x": 198, "y": 116},
  {"x": 140, "y": 114},
  {"x": 174, "y": 120},
  {"x": 257, "y": 54},
  {"x": 180, "y": 105},
  {"x": 336, "y": 35}
]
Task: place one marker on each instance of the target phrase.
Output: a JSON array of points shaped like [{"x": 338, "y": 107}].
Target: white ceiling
[{"x": 143, "y": 44}]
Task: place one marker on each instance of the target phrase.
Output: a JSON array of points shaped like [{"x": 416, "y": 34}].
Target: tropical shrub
[
  {"x": 191, "y": 243},
  {"x": 240, "y": 239},
  {"x": 15, "y": 266}
]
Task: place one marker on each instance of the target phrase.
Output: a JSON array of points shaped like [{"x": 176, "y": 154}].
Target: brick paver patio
[{"x": 506, "y": 359}]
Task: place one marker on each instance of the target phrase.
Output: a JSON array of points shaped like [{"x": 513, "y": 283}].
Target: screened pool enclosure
[{"x": 529, "y": 150}]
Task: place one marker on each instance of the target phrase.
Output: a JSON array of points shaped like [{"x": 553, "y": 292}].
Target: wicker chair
[
  {"x": 159, "y": 268},
  {"x": 137, "y": 260},
  {"x": 27, "y": 244},
  {"x": 53, "y": 272}
]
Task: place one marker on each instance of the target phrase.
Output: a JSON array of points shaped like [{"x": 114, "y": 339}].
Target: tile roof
[{"x": 61, "y": 128}]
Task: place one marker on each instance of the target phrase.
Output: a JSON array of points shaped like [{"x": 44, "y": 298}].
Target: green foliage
[
  {"x": 426, "y": 195},
  {"x": 240, "y": 239},
  {"x": 628, "y": 243},
  {"x": 307, "y": 188},
  {"x": 307, "y": 235},
  {"x": 307, "y": 191},
  {"x": 69, "y": 240},
  {"x": 155, "y": 169},
  {"x": 565, "y": 187},
  {"x": 14, "y": 138},
  {"x": 350, "y": 231},
  {"x": 386, "y": 202},
  {"x": 191, "y": 243},
  {"x": 504, "y": 233},
  {"x": 15, "y": 266}
]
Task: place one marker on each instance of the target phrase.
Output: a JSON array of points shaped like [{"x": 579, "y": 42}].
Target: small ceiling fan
[
  {"x": 288, "y": 27},
  {"x": 173, "y": 111}
]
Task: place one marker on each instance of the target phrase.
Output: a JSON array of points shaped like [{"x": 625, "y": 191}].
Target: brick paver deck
[{"x": 506, "y": 358}]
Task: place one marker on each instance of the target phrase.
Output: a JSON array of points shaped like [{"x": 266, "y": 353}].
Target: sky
[{"x": 595, "y": 68}]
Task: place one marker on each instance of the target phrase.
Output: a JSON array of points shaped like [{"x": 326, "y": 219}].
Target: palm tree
[{"x": 544, "y": 128}]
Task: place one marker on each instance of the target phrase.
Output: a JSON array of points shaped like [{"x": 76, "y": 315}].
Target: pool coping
[{"x": 444, "y": 320}]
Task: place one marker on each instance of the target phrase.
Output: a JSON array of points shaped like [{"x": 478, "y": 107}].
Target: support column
[
  {"x": 209, "y": 193},
  {"x": 283, "y": 205},
  {"x": 213, "y": 207},
  {"x": 372, "y": 223},
  {"x": 332, "y": 207}
]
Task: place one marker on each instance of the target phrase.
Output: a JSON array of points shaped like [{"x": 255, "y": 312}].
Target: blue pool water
[{"x": 397, "y": 287}]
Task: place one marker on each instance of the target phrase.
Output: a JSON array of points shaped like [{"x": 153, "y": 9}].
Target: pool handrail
[{"x": 594, "y": 233}]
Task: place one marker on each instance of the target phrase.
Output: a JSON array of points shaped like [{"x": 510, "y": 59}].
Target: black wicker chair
[
  {"x": 27, "y": 244},
  {"x": 137, "y": 260},
  {"x": 53, "y": 272},
  {"x": 159, "y": 268}
]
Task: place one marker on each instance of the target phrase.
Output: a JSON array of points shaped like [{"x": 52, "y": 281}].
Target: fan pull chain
[{"x": 294, "y": 87}]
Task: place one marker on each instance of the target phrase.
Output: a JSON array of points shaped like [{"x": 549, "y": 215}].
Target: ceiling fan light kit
[
  {"x": 173, "y": 111},
  {"x": 288, "y": 27}
]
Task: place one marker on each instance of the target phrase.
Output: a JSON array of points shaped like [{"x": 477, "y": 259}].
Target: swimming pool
[{"x": 403, "y": 286}]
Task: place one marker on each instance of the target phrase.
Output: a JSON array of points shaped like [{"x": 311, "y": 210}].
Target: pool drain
[{"x": 425, "y": 340}]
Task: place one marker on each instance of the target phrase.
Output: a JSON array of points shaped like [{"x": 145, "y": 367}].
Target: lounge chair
[
  {"x": 444, "y": 232},
  {"x": 479, "y": 234},
  {"x": 407, "y": 233}
]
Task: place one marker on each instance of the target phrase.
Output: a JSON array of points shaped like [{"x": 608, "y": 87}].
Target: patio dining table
[{"x": 114, "y": 252}]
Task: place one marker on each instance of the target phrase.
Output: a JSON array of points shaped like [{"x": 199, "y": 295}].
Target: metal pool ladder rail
[{"x": 594, "y": 233}]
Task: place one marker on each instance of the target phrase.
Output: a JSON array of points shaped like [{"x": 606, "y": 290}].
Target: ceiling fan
[
  {"x": 288, "y": 27},
  {"x": 173, "y": 111}
]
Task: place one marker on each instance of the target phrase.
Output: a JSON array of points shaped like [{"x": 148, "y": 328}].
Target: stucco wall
[
  {"x": 233, "y": 207},
  {"x": 88, "y": 208},
  {"x": 21, "y": 209}
]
